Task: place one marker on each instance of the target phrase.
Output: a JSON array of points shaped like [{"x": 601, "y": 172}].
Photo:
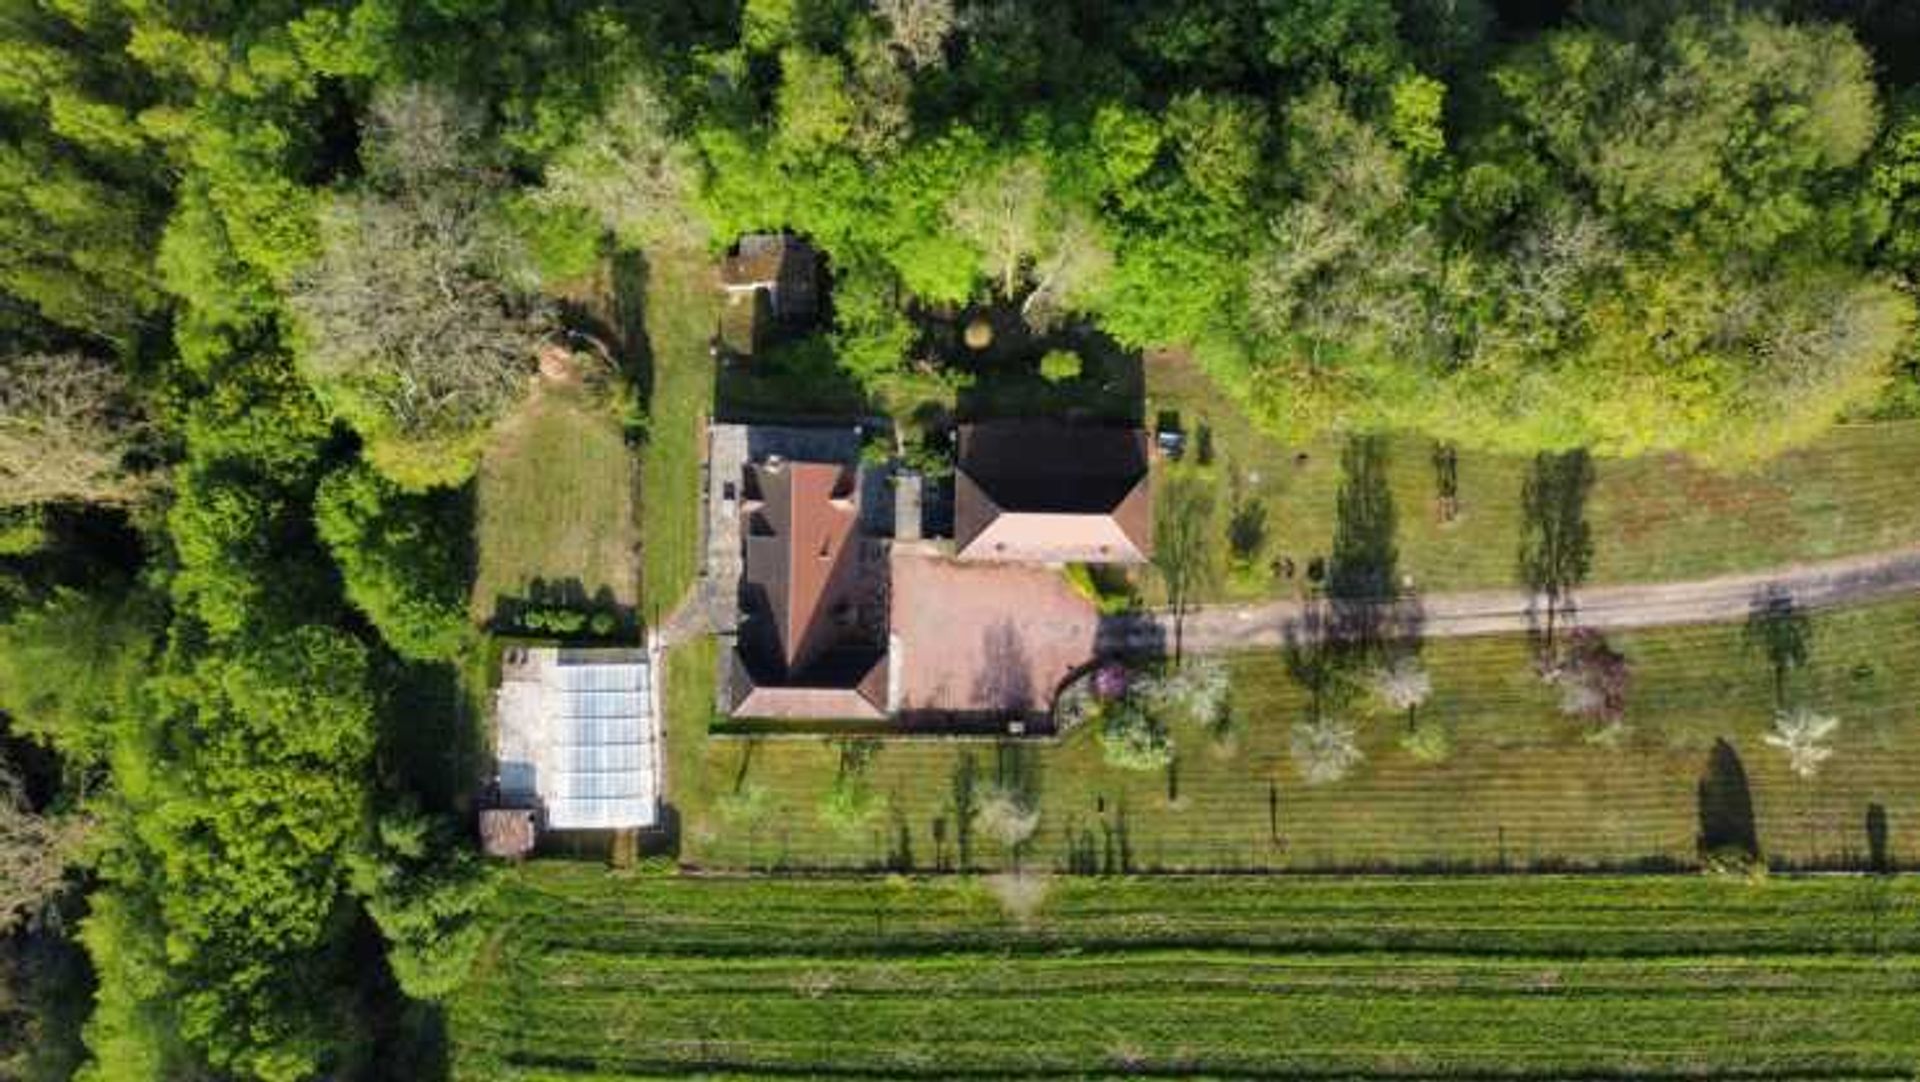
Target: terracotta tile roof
[
  {"x": 802, "y": 651},
  {"x": 798, "y": 519},
  {"x": 1049, "y": 492},
  {"x": 865, "y": 700}
]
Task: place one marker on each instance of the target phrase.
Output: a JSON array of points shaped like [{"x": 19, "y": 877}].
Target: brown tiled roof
[
  {"x": 865, "y": 700},
  {"x": 1049, "y": 492},
  {"x": 799, "y": 521},
  {"x": 785, "y": 266}
]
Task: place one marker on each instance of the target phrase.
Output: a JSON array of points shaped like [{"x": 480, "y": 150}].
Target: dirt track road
[{"x": 1828, "y": 584}]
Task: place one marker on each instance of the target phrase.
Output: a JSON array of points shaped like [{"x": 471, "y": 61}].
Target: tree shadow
[
  {"x": 1004, "y": 684},
  {"x": 1317, "y": 659},
  {"x": 797, "y": 380},
  {"x": 1006, "y": 380},
  {"x": 1726, "y": 806},
  {"x": 1879, "y": 850},
  {"x": 1363, "y": 571},
  {"x": 1446, "y": 481},
  {"x": 1556, "y": 544},
  {"x": 964, "y": 783},
  {"x": 1781, "y": 630}
]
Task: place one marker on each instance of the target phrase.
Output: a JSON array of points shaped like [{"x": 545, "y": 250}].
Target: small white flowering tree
[
  {"x": 1402, "y": 685},
  {"x": 1802, "y": 733},
  {"x": 1007, "y": 817},
  {"x": 1325, "y": 749}
]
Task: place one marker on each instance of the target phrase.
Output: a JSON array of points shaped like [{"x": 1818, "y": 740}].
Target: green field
[
  {"x": 681, "y": 311},
  {"x": 591, "y": 975},
  {"x": 1525, "y": 786},
  {"x": 1654, "y": 518},
  {"x": 556, "y": 504}
]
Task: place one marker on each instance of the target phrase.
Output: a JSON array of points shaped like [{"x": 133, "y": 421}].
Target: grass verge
[{"x": 681, "y": 312}]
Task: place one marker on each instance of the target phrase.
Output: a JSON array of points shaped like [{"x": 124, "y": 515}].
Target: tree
[
  {"x": 918, "y": 29},
  {"x": 1193, "y": 691},
  {"x": 630, "y": 170},
  {"x": 1781, "y": 630},
  {"x": 1060, "y": 366},
  {"x": 71, "y": 668},
  {"x": 69, "y": 432},
  {"x": 850, "y": 805},
  {"x": 1556, "y": 545},
  {"x": 1803, "y": 734},
  {"x": 1595, "y": 679},
  {"x": 1004, "y": 218},
  {"x": 426, "y": 889},
  {"x": 1727, "y": 126},
  {"x": 35, "y": 850},
  {"x": 815, "y": 103},
  {"x": 412, "y": 326},
  {"x": 1403, "y": 684},
  {"x": 404, "y": 557},
  {"x": 1325, "y": 749},
  {"x": 1131, "y": 738},
  {"x": 1007, "y": 816},
  {"x": 1185, "y": 548}
]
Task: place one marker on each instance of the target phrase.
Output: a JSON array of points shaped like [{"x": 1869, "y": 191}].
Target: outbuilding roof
[{"x": 1050, "y": 492}]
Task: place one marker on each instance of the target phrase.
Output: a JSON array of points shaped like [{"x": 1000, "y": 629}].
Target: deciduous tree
[{"x": 69, "y": 432}]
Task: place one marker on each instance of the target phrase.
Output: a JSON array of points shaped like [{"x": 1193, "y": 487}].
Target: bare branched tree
[
  {"x": 412, "y": 320},
  {"x": 34, "y": 852},
  {"x": 1003, "y": 217},
  {"x": 67, "y": 427},
  {"x": 632, "y": 172},
  {"x": 918, "y": 29}
]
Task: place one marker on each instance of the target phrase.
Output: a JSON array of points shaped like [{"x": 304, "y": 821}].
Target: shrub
[
  {"x": 1133, "y": 739},
  {"x": 1060, "y": 366},
  {"x": 1430, "y": 743}
]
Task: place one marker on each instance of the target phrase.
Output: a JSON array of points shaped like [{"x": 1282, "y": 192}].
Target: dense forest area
[{"x": 271, "y": 270}]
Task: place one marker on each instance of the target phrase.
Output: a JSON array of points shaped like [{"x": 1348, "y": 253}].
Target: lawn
[
  {"x": 556, "y": 505},
  {"x": 681, "y": 311},
  {"x": 1654, "y": 518},
  {"x": 594, "y": 975},
  {"x": 1525, "y": 787}
]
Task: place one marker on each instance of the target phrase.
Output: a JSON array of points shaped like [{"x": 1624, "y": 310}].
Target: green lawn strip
[
  {"x": 1654, "y": 518},
  {"x": 556, "y": 504},
  {"x": 1525, "y": 786},
  {"x": 954, "y": 986},
  {"x": 681, "y": 312}
]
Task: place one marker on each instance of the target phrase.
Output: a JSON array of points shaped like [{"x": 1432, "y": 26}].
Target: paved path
[{"x": 1729, "y": 598}]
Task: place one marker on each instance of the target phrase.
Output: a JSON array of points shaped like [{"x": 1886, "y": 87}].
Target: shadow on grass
[
  {"x": 1726, "y": 806},
  {"x": 797, "y": 380}
]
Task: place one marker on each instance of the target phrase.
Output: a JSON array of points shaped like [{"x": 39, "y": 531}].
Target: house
[
  {"x": 770, "y": 280},
  {"x": 807, "y": 645},
  {"x": 1039, "y": 491}
]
